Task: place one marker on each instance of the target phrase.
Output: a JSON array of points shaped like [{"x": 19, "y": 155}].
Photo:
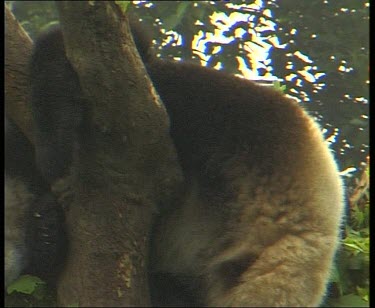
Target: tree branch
[{"x": 16, "y": 74}]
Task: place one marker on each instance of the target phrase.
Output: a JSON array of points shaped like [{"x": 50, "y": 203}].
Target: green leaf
[
  {"x": 123, "y": 5},
  {"x": 351, "y": 300},
  {"x": 363, "y": 293},
  {"x": 277, "y": 86},
  {"x": 172, "y": 21},
  {"x": 26, "y": 284}
]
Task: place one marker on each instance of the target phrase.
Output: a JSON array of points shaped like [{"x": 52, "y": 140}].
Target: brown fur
[{"x": 259, "y": 224}]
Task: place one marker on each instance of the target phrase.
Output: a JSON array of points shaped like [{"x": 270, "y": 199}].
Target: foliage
[
  {"x": 350, "y": 279},
  {"x": 279, "y": 87},
  {"x": 123, "y": 5},
  {"x": 325, "y": 63},
  {"x": 34, "y": 16},
  {"x": 26, "y": 284},
  {"x": 30, "y": 291}
]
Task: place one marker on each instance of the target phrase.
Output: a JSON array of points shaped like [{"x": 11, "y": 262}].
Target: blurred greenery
[
  {"x": 30, "y": 291},
  {"x": 318, "y": 50}
]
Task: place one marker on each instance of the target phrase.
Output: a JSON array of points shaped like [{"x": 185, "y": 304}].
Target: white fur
[{"x": 17, "y": 202}]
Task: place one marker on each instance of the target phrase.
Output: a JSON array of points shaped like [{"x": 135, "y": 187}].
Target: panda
[
  {"x": 34, "y": 221},
  {"x": 258, "y": 222}
]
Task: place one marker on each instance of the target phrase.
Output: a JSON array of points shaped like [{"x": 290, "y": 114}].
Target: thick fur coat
[{"x": 259, "y": 222}]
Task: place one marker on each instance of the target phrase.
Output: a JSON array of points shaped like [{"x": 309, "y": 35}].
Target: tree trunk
[{"x": 125, "y": 170}]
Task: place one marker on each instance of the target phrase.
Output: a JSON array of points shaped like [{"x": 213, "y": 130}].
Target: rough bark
[
  {"x": 17, "y": 91},
  {"x": 127, "y": 168}
]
